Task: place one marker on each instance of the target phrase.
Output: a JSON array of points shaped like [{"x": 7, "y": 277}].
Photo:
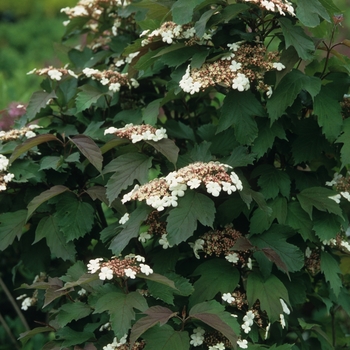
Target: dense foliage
[{"x": 183, "y": 183}]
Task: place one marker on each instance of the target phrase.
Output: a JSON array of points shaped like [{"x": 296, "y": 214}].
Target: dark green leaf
[
  {"x": 131, "y": 229},
  {"x": 75, "y": 218},
  {"x": 24, "y": 337},
  {"x": 217, "y": 276},
  {"x": 48, "y": 228},
  {"x": 126, "y": 168},
  {"x": 121, "y": 306},
  {"x": 72, "y": 337},
  {"x": 151, "y": 112},
  {"x": 276, "y": 239},
  {"x": 11, "y": 226},
  {"x": 298, "y": 219},
  {"x": 331, "y": 270},
  {"x": 318, "y": 197},
  {"x": 51, "y": 162},
  {"x": 287, "y": 91},
  {"x": 326, "y": 226},
  {"x": 272, "y": 181},
  {"x": 308, "y": 12},
  {"x": 212, "y": 313},
  {"x": 240, "y": 157},
  {"x": 43, "y": 197},
  {"x": 88, "y": 96},
  {"x": 166, "y": 147},
  {"x": 166, "y": 338},
  {"x": 72, "y": 311},
  {"x": 155, "y": 314},
  {"x": 182, "y": 10},
  {"x": 38, "y": 101},
  {"x": 296, "y": 37},
  {"x": 30, "y": 143},
  {"x": 89, "y": 149},
  {"x": 200, "y": 25},
  {"x": 345, "y": 139},
  {"x": 182, "y": 220},
  {"x": 328, "y": 111},
  {"x": 269, "y": 292},
  {"x": 240, "y": 109},
  {"x": 266, "y": 137}
]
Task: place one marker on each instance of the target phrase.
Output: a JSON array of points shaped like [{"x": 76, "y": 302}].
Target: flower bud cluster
[
  {"x": 281, "y": 6},
  {"x": 137, "y": 133},
  {"x": 15, "y": 134},
  {"x": 164, "y": 192},
  {"x": 170, "y": 32},
  {"x": 113, "y": 79},
  {"x": 129, "y": 267},
  {"x": 53, "y": 73},
  {"x": 238, "y": 68}
]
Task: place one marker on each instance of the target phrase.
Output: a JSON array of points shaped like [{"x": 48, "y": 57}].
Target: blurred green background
[{"x": 30, "y": 33}]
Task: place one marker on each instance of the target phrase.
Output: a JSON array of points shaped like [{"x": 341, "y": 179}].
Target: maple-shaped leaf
[
  {"x": 182, "y": 220},
  {"x": 276, "y": 239},
  {"x": 75, "y": 217},
  {"x": 121, "y": 307},
  {"x": 295, "y": 36},
  {"x": 49, "y": 229},
  {"x": 216, "y": 276},
  {"x": 318, "y": 197},
  {"x": 309, "y": 13},
  {"x": 272, "y": 181},
  {"x": 287, "y": 91},
  {"x": 240, "y": 109},
  {"x": 269, "y": 292},
  {"x": 87, "y": 97},
  {"x": 72, "y": 311},
  {"x": 155, "y": 314},
  {"x": 127, "y": 168}
]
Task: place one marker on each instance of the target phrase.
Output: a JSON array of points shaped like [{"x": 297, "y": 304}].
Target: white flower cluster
[
  {"x": 127, "y": 267},
  {"x": 116, "y": 344},
  {"x": 232, "y": 258},
  {"x": 137, "y": 133},
  {"x": 341, "y": 244},
  {"x": 169, "y": 32},
  {"x": 235, "y": 68},
  {"x": 164, "y": 192},
  {"x": 281, "y": 6},
  {"x": 196, "y": 246},
  {"x": 53, "y": 73},
  {"x": 197, "y": 337},
  {"x": 248, "y": 321},
  {"x": 27, "y": 301},
  {"x": 164, "y": 242},
  {"x": 113, "y": 79}
]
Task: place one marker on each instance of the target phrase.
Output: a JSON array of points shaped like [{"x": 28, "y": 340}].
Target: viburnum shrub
[{"x": 183, "y": 183}]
